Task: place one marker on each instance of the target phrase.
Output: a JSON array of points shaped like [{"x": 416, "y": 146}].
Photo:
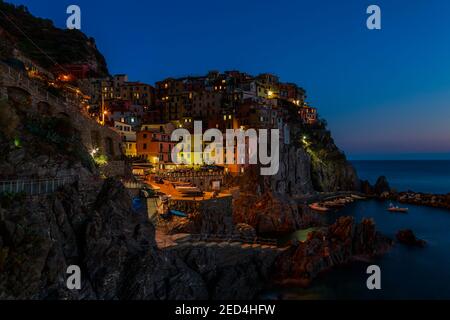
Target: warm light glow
[{"x": 94, "y": 152}]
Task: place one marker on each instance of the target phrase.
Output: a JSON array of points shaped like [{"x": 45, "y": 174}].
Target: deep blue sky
[{"x": 385, "y": 94}]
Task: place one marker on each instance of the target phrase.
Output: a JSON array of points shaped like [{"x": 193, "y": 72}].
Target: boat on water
[
  {"x": 393, "y": 208},
  {"x": 333, "y": 204},
  {"x": 318, "y": 207},
  {"x": 178, "y": 213}
]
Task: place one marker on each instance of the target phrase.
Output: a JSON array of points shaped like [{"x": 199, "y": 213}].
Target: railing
[
  {"x": 133, "y": 184},
  {"x": 230, "y": 239},
  {"x": 192, "y": 174},
  {"x": 22, "y": 80},
  {"x": 35, "y": 87},
  {"x": 35, "y": 187}
]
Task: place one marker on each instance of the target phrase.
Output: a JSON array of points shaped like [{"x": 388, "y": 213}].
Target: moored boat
[
  {"x": 393, "y": 208},
  {"x": 318, "y": 207},
  {"x": 333, "y": 204}
]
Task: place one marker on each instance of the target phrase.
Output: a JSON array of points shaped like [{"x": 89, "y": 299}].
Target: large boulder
[
  {"x": 407, "y": 237},
  {"x": 382, "y": 185},
  {"x": 328, "y": 247}
]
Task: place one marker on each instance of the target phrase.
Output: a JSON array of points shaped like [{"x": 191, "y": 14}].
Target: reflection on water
[{"x": 407, "y": 273}]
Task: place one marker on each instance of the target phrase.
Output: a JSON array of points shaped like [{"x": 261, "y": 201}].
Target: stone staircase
[{"x": 181, "y": 241}]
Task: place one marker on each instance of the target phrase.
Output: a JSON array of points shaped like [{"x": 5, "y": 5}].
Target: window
[
  {"x": 144, "y": 146},
  {"x": 145, "y": 136}
]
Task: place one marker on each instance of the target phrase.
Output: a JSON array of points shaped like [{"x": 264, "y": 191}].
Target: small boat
[
  {"x": 318, "y": 207},
  {"x": 333, "y": 204},
  {"x": 393, "y": 208},
  {"x": 178, "y": 213}
]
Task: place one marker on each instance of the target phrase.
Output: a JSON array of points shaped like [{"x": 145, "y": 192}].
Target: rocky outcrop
[
  {"x": 268, "y": 214},
  {"x": 422, "y": 199},
  {"x": 269, "y": 203},
  {"x": 232, "y": 273},
  {"x": 382, "y": 185},
  {"x": 116, "y": 251},
  {"x": 64, "y": 46},
  {"x": 328, "y": 247},
  {"x": 407, "y": 237}
]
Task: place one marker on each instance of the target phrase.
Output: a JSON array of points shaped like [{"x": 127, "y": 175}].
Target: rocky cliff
[
  {"x": 334, "y": 245},
  {"x": 116, "y": 250},
  {"x": 49, "y": 45},
  {"x": 310, "y": 163}
]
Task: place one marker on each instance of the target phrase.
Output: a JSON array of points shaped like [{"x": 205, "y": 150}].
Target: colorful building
[
  {"x": 155, "y": 147},
  {"x": 128, "y": 138}
]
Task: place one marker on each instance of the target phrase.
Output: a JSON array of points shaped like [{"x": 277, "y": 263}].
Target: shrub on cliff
[
  {"x": 8, "y": 119},
  {"x": 61, "y": 133}
]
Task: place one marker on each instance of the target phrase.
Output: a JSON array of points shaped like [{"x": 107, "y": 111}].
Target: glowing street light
[{"x": 94, "y": 152}]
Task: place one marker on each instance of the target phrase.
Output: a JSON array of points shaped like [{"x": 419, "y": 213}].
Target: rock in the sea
[
  {"x": 407, "y": 237},
  {"x": 328, "y": 247},
  {"x": 366, "y": 187},
  {"x": 382, "y": 185}
]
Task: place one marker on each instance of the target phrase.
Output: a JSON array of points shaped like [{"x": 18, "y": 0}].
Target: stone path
[{"x": 178, "y": 241}]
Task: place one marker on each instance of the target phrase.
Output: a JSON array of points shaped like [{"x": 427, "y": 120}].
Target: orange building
[{"x": 155, "y": 147}]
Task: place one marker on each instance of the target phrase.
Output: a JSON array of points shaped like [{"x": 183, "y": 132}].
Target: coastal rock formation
[
  {"x": 381, "y": 187},
  {"x": 116, "y": 251},
  {"x": 270, "y": 203},
  {"x": 407, "y": 237},
  {"x": 268, "y": 213},
  {"x": 328, "y": 247},
  {"x": 230, "y": 272},
  {"x": 422, "y": 199}
]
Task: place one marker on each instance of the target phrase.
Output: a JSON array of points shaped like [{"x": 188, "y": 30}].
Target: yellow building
[{"x": 130, "y": 148}]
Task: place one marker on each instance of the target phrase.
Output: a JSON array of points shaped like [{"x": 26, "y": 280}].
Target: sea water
[{"x": 406, "y": 272}]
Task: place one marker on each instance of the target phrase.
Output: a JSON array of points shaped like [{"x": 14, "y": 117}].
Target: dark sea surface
[
  {"x": 406, "y": 273},
  {"x": 431, "y": 176}
]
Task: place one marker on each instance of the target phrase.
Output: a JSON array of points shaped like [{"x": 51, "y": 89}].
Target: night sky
[{"x": 385, "y": 93}]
